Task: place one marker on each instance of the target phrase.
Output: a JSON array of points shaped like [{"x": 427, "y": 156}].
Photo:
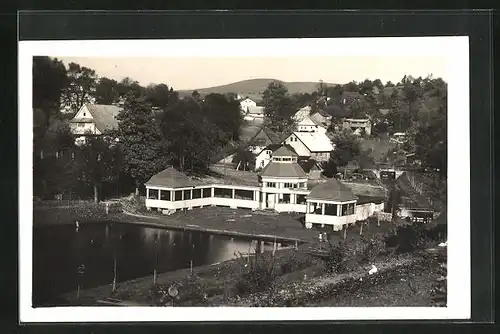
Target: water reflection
[{"x": 59, "y": 250}]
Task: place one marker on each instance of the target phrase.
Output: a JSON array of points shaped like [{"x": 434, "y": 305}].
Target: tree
[
  {"x": 347, "y": 149},
  {"x": 245, "y": 159},
  {"x": 80, "y": 88},
  {"x": 49, "y": 79},
  {"x": 98, "y": 163},
  {"x": 351, "y": 87},
  {"x": 128, "y": 85},
  {"x": 389, "y": 84},
  {"x": 106, "y": 91},
  {"x": 144, "y": 151},
  {"x": 278, "y": 106},
  {"x": 378, "y": 83},
  {"x": 366, "y": 87},
  {"x": 224, "y": 114},
  {"x": 189, "y": 135},
  {"x": 195, "y": 95},
  {"x": 159, "y": 96}
]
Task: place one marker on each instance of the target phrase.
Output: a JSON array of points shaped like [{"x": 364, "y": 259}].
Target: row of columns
[
  {"x": 255, "y": 196},
  {"x": 339, "y": 207}
]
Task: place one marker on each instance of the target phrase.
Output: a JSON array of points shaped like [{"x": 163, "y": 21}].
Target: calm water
[{"x": 59, "y": 250}]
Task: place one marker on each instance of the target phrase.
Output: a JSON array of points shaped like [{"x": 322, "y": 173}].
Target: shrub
[
  {"x": 410, "y": 238},
  {"x": 191, "y": 292},
  {"x": 373, "y": 247},
  {"x": 292, "y": 263},
  {"x": 337, "y": 257},
  {"x": 257, "y": 274}
]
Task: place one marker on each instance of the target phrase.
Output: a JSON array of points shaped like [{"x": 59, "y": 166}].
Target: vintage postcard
[{"x": 280, "y": 179}]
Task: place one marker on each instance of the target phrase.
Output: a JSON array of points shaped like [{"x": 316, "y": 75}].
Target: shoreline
[{"x": 163, "y": 223}]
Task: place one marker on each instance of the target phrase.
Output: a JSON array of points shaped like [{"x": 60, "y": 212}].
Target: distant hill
[{"x": 253, "y": 88}]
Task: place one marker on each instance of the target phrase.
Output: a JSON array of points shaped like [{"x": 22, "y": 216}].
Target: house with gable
[
  {"x": 95, "y": 119},
  {"x": 310, "y": 145},
  {"x": 246, "y": 104}
]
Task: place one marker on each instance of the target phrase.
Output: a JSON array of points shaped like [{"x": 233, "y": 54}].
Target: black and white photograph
[{"x": 285, "y": 179}]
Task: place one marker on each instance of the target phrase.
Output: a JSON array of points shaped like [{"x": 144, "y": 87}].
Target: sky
[{"x": 201, "y": 72}]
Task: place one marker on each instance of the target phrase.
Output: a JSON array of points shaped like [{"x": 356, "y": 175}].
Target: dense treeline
[{"x": 156, "y": 129}]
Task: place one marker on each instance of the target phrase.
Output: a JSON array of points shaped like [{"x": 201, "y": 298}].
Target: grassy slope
[{"x": 253, "y": 88}]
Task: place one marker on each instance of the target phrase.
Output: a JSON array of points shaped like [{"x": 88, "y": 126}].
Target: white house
[
  {"x": 246, "y": 104},
  {"x": 95, "y": 119},
  {"x": 356, "y": 124},
  {"x": 302, "y": 113},
  {"x": 284, "y": 183},
  {"x": 306, "y": 124},
  {"x": 256, "y": 112},
  {"x": 263, "y": 157},
  {"x": 311, "y": 145},
  {"x": 282, "y": 186},
  {"x": 331, "y": 203}
]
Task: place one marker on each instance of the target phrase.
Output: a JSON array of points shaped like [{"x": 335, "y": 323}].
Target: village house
[
  {"x": 246, "y": 104},
  {"x": 259, "y": 142},
  {"x": 95, "y": 119},
  {"x": 264, "y": 156},
  {"x": 255, "y": 112},
  {"x": 357, "y": 125},
  {"x": 282, "y": 186},
  {"x": 333, "y": 203},
  {"x": 310, "y": 145}
]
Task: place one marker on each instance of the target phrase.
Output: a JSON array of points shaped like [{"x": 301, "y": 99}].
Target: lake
[{"x": 59, "y": 250}]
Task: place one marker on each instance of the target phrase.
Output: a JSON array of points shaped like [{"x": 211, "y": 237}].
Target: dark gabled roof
[
  {"x": 332, "y": 190},
  {"x": 104, "y": 116},
  {"x": 271, "y": 147},
  {"x": 276, "y": 169},
  {"x": 285, "y": 151},
  {"x": 309, "y": 165},
  {"x": 170, "y": 178}
]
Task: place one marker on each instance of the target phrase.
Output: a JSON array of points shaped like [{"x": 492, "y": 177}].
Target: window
[
  {"x": 331, "y": 209},
  {"x": 289, "y": 185},
  {"x": 301, "y": 199},
  {"x": 271, "y": 184},
  {"x": 165, "y": 195},
  {"x": 178, "y": 195},
  {"x": 84, "y": 114},
  {"x": 284, "y": 198},
  {"x": 196, "y": 193},
  {"x": 153, "y": 194},
  {"x": 223, "y": 192},
  {"x": 287, "y": 159},
  {"x": 187, "y": 194},
  {"x": 243, "y": 194},
  {"x": 207, "y": 192}
]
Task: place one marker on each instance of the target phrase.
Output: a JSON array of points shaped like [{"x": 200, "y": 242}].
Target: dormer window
[{"x": 84, "y": 114}]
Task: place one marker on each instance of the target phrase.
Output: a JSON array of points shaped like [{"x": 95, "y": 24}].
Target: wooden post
[
  {"x": 378, "y": 219},
  {"x": 191, "y": 266},
  {"x": 114, "y": 271},
  {"x": 345, "y": 231},
  {"x": 274, "y": 246},
  {"x": 296, "y": 244},
  {"x": 361, "y": 228},
  {"x": 78, "y": 291}
]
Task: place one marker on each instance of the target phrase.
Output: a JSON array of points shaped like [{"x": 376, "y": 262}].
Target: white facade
[
  {"x": 262, "y": 159},
  {"x": 247, "y": 104},
  {"x": 82, "y": 123},
  {"x": 297, "y": 145}
]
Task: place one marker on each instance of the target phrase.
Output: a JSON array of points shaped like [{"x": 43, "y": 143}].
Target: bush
[
  {"x": 411, "y": 238},
  {"x": 257, "y": 274},
  {"x": 373, "y": 247},
  {"x": 191, "y": 292},
  {"x": 337, "y": 257},
  {"x": 292, "y": 263}
]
